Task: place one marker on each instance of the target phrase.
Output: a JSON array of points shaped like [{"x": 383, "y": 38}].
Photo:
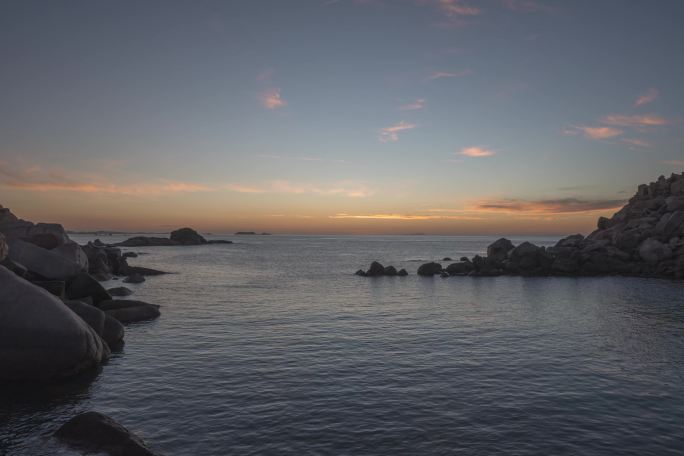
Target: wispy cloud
[
  {"x": 673, "y": 162},
  {"x": 449, "y": 74},
  {"x": 271, "y": 98},
  {"x": 418, "y": 104},
  {"x": 456, "y": 8},
  {"x": 403, "y": 217},
  {"x": 527, "y": 6},
  {"x": 645, "y": 120},
  {"x": 477, "y": 151},
  {"x": 637, "y": 142},
  {"x": 547, "y": 206},
  {"x": 345, "y": 189},
  {"x": 391, "y": 134},
  {"x": 36, "y": 178},
  {"x": 594, "y": 132},
  {"x": 300, "y": 158},
  {"x": 647, "y": 97}
]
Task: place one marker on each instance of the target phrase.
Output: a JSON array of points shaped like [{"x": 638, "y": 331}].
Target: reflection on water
[{"x": 272, "y": 346}]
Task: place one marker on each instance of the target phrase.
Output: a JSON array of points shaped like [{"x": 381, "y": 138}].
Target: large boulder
[
  {"x": 53, "y": 233},
  {"x": 670, "y": 224},
  {"x": 460, "y": 268},
  {"x": 4, "y": 249},
  {"x": 88, "y": 313},
  {"x": 113, "y": 332},
  {"x": 40, "y": 338},
  {"x": 653, "y": 251},
  {"x": 129, "y": 311},
  {"x": 84, "y": 285},
  {"x": 429, "y": 269},
  {"x": 375, "y": 270},
  {"x": 94, "y": 432},
  {"x": 120, "y": 291},
  {"x": 498, "y": 250},
  {"x": 187, "y": 236},
  {"x": 43, "y": 262},
  {"x": 73, "y": 252}
]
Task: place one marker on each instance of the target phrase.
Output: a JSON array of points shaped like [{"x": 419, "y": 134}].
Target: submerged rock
[
  {"x": 134, "y": 278},
  {"x": 40, "y": 338},
  {"x": 98, "y": 433},
  {"x": 120, "y": 291},
  {"x": 129, "y": 311}
]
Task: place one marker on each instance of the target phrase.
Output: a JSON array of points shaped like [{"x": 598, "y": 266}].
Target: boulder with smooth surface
[
  {"x": 187, "y": 236},
  {"x": 43, "y": 262},
  {"x": 130, "y": 311}
]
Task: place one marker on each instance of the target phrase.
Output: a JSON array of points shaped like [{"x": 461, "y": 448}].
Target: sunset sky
[{"x": 337, "y": 116}]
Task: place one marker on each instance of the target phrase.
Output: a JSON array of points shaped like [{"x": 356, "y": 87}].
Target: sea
[{"x": 272, "y": 346}]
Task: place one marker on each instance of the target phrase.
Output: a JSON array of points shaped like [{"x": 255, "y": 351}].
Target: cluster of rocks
[
  {"x": 378, "y": 270},
  {"x": 57, "y": 320},
  {"x": 182, "y": 236},
  {"x": 644, "y": 239}
]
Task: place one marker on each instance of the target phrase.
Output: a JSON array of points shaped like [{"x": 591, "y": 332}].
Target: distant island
[{"x": 253, "y": 233}]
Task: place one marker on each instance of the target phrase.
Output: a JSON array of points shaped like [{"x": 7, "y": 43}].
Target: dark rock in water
[
  {"x": 390, "y": 271},
  {"x": 461, "y": 268},
  {"x": 219, "y": 241},
  {"x": 129, "y": 311},
  {"x": 498, "y": 250},
  {"x": 375, "y": 270},
  {"x": 360, "y": 273},
  {"x": 464, "y": 259},
  {"x": 113, "y": 332},
  {"x": 88, "y": 313},
  {"x": 43, "y": 262},
  {"x": 430, "y": 269},
  {"x": 130, "y": 255},
  {"x": 134, "y": 278},
  {"x": 242, "y": 233},
  {"x": 84, "y": 285},
  {"x": 444, "y": 274},
  {"x": 187, "y": 236},
  {"x": 146, "y": 241},
  {"x": 120, "y": 291},
  {"x": 98, "y": 433},
  {"x": 54, "y": 287},
  {"x": 447, "y": 259},
  {"x": 4, "y": 248},
  {"x": 144, "y": 271},
  {"x": 402, "y": 273},
  {"x": 40, "y": 338}
]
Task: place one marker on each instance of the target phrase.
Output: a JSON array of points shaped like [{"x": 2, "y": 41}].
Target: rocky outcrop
[
  {"x": 187, "y": 236},
  {"x": 378, "y": 270},
  {"x": 94, "y": 432},
  {"x": 84, "y": 285},
  {"x": 430, "y": 269},
  {"x": 129, "y": 311},
  {"x": 182, "y": 237},
  {"x": 146, "y": 241},
  {"x": 120, "y": 291},
  {"x": 3, "y": 247},
  {"x": 43, "y": 262},
  {"x": 40, "y": 338}
]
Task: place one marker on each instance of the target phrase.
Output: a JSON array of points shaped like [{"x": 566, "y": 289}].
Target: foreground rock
[
  {"x": 97, "y": 433},
  {"x": 40, "y": 337},
  {"x": 4, "y": 249},
  {"x": 45, "y": 263},
  {"x": 130, "y": 311},
  {"x": 430, "y": 269}
]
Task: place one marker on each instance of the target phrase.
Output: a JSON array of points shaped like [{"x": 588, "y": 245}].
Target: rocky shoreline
[
  {"x": 58, "y": 322},
  {"x": 643, "y": 239}
]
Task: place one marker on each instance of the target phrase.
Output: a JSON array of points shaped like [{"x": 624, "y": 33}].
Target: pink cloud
[
  {"x": 391, "y": 134},
  {"x": 447, "y": 74},
  {"x": 594, "y": 132},
  {"x": 476, "y": 151},
  {"x": 271, "y": 99},
  {"x": 637, "y": 143},
  {"x": 646, "y": 120},
  {"x": 648, "y": 97},
  {"x": 454, "y": 8},
  {"x": 418, "y": 104}
]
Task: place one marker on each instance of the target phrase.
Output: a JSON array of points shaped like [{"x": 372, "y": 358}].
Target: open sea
[{"x": 271, "y": 346}]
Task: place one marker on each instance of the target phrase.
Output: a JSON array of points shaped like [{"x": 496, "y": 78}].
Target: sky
[{"x": 337, "y": 116}]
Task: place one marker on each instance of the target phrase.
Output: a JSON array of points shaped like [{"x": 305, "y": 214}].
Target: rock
[
  {"x": 565, "y": 265},
  {"x": 144, "y": 271},
  {"x": 603, "y": 223},
  {"x": 130, "y": 255},
  {"x": 360, "y": 273},
  {"x": 390, "y": 271},
  {"x": 40, "y": 338},
  {"x": 146, "y": 241},
  {"x": 120, "y": 291},
  {"x": 187, "y": 236},
  {"x": 464, "y": 259},
  {"x": 429, "y": 269},
  {"x": 460, "y": 268},
  {"x": 402, "y": 273},
  {"x": 653, "y": 251},
  {"x": 98, "y": 433},
  {"x": 15, "y": 267},
  {"x": 103, "y": 276},
  {"x": 677, "y": 187},
  {"x": 113, "y": 332},
  {"x": 54, "y": 287},
  {"x": 444, "y": 274},
  {"x": 219, "y": 241},
  {"x": 375, "y": 270},
  {"x": 4, "y": 248},
  {"x": 45, "y": 230},
  {"x": 674, "y": 203},
  {"x": 84, "y": 285},
  {"x": 42, "y": 262},
  {"x": 73, "y": 252},
  {"x": 498, "y": 250},
  {"x": 447, "y": 259},
  {"x": 88, "y": 313},
  {"x": 134, "y": 278},
  {"x": 670, "y": 223},
  {"x": 129, "y": 311}
]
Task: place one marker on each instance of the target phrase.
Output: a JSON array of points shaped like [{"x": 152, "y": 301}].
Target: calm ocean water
[{"x": 271, "y": 346}]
